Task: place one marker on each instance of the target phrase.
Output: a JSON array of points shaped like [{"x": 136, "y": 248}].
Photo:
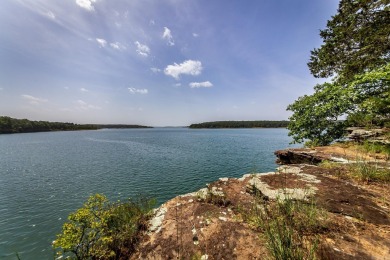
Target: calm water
[{"x": 45, "y": 176}]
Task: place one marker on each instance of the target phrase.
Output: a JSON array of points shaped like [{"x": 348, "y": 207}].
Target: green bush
[{"x": 102, "y": 229}]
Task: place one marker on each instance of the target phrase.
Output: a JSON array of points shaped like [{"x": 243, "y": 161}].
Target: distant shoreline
[
  {"x": 240, "y": 124},
  {"x": 10, "y": 125}
]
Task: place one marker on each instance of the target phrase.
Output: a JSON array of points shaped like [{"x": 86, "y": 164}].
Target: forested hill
[
  {"x": 10, "y": 125},
  {"x": 241, "y": 124}
]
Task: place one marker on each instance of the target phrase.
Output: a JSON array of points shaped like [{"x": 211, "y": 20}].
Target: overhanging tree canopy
[{"x": 356, "y": 52}]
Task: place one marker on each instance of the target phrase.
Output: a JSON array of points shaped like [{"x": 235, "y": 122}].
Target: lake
[{"x": 46, "y": 176}]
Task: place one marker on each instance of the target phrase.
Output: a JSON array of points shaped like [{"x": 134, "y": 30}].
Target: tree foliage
[
  {"x": 356, "y": 52},
  {"x": 317, "y": 117},
  {"x": 102, "y": 229},
  {"x": 356, "y": 39}
]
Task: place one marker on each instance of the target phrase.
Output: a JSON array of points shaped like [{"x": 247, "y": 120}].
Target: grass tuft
[
  {"x": 290, "y": 227},
  {"x": 366, "y": 172}
]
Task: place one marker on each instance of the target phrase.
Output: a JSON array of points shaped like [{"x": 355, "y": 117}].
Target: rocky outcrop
[
  {"x": 300, "y": 156},
  {"x": 376, "y": 135},
  {"x": 214, "y": 222}
]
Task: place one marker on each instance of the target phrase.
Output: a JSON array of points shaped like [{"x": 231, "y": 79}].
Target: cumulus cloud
[
  {"x": 117, "y": 46},
  {"x": 142, "y": 49},
  {"x": 195, "y": 35},
  {"x": 205, "y": 84},
  {"x": 86, "y": 4},
  {"x": 138, "y": 91},
  {"x": 83, "y": 90},
  {"x": 34, "y": 100},
  {"x": 155, "y": 70},
  {"x": 189, "y": 67},
  {"x": 101, "y": 42},
  {"x": 168, "y": 36}
]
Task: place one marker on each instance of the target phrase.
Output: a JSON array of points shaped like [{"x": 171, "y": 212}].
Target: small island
[
  {"x": 10, "y": 125},
  {"x": 242, "y": 124}
]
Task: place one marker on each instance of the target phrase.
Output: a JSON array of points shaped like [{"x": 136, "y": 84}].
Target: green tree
[
  {"x": 103, "y": 230},
  {"x": 356, "y": 52},
  {"x": 5, "y": 124},
  {"x": 317, "y": 117},
  {"x": 356, "y": 39}
]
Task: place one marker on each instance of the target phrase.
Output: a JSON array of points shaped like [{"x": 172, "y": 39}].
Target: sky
[{"x": 157, "y": 62}]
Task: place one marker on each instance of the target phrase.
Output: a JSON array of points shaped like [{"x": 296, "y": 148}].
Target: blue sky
[{"x": 157, "y": 62}]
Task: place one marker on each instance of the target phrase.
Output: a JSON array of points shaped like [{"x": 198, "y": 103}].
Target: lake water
[{"x": 45, "y": 176}]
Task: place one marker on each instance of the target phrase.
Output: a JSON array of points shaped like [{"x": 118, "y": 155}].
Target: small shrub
[
  {"x": 312, "y": 144},
  {"x": 328, "y": 164},
  {"x": 103, "y": 230}
]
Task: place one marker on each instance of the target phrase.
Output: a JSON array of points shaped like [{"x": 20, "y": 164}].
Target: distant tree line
[
  {"x": 10, "y": 125},
  {"x": 241, "y": 124}
]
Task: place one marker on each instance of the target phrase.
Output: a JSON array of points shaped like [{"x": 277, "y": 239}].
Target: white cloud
[
  {"x": 117, "y": 46},
  {"x": 177, "y": 84},
  {"x": 152, "y": 22},
  {"x": 83, "y": 90},
  {"x": 168, "y": 36},
  {"x": 34, "y": 100},
  {"x": 138, "y": 91},
  {"x": 86, "y": 4},
  {"x": 101, "y": 42},
  {"x": 189, "y": 67},
  {"x": 142, "y": 49},
  {"x": 195, "y": 35},
  {"x": 82, "y": 105},
  {"x": 155, "y": 70},
  {"x": 206, "y": 84},
  {"x": 50, "y": 15}
]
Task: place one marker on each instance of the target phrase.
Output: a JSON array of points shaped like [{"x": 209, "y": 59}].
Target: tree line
[
  {"x": 10, "y": 125},
  {"x": 241, "y": 124}
]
